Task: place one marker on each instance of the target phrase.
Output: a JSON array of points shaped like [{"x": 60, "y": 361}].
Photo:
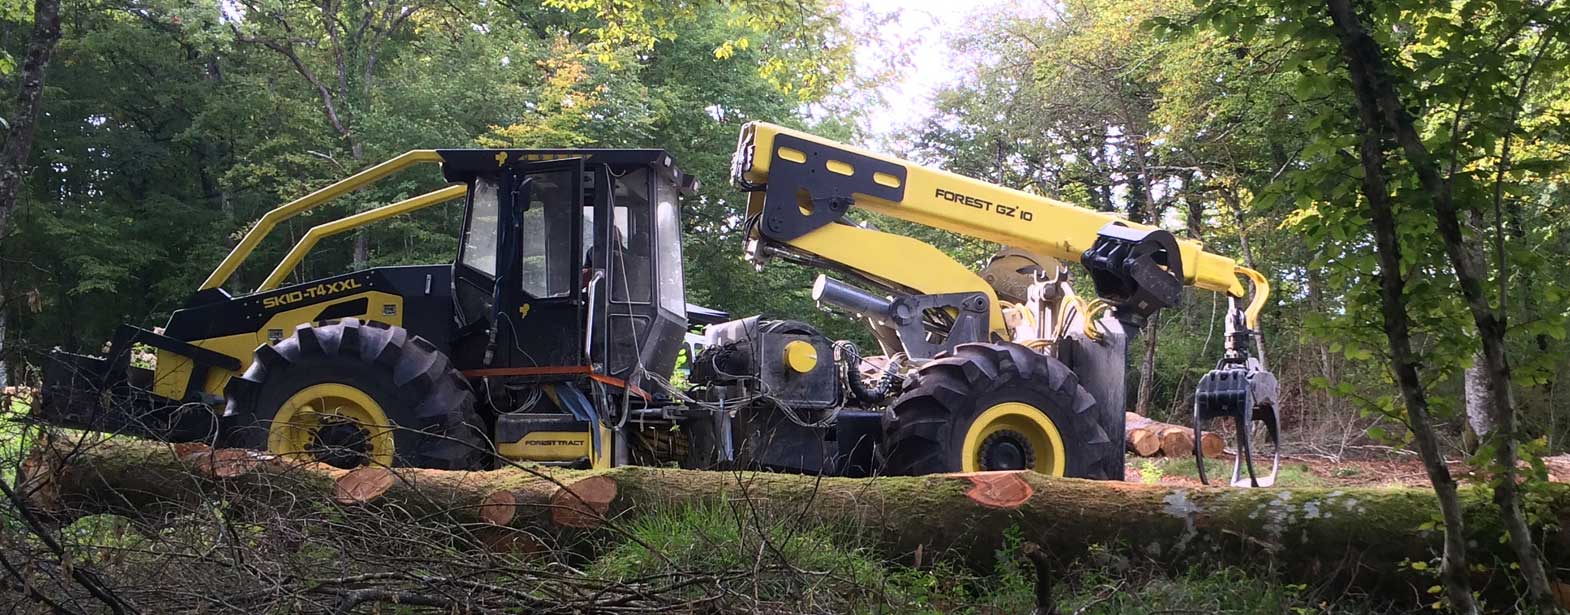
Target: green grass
[
  {"x": 12, "y": 435},
  {"x": 812, "y": 568},
  {"x": 1291, "y": 474},
  {"x": 806, "y": 563},
  {"x": 1200, "y": 589}
]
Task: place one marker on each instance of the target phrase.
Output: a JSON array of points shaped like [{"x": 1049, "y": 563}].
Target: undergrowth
[
  {"x": 12, "y": 440},
  {"x": 793, "y": 566}
]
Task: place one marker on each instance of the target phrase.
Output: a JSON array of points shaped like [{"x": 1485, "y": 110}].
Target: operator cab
[{"x": 569, "y": 262}]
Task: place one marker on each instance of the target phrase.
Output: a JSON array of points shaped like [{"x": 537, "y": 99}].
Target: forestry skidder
[{"x": 552, "y": 335}]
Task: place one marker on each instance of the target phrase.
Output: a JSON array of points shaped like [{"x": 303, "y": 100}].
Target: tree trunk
[
  {"x": 1377, "y": 95},
  {"x": 5, "y": 380},
  {"x": 1479, "y": 421},
  {"x": 1316, "y": 303},
  {"x": 23, "y": 118},
  {"x": 1453, "y": 566},
  {"x": 1147, "y": 369},
  {"x": 962, "y": 516}
]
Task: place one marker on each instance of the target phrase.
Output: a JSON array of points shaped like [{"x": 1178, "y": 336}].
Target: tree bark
[
  {"x": 961, "y": 516},
  {"x": 1377, "y": 95},
  {"x": 1147, "y": 368},
  {"x": 23, "y": 119},
  {"x": 1479, "y": 421},
  {"x": 1392, "y": 284}
]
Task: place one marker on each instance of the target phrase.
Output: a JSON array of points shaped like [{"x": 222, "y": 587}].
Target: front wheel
[
  {"x": 987, "y": 407},
  {"x": 352, "y": 393}
]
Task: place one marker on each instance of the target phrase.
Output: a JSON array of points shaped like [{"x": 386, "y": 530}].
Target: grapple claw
[{"x": 1243, "y": 390}]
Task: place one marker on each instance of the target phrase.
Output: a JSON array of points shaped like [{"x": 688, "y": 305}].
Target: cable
[
  {"x": 1205, "y": 348},
  {"x": 853, "y": 380}
]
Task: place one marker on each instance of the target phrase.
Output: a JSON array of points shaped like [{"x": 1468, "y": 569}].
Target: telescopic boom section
[{"x": 826, "y": 179}]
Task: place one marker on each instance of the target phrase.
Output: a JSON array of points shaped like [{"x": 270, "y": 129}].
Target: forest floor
[{"x": 1376, "y": 470}]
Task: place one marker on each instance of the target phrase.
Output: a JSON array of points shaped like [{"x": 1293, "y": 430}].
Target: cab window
[{"x": 546, "y": 235}]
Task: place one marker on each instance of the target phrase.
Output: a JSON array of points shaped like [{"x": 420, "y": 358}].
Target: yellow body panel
[
  {"x": 559, "y": 446},
  {"x": 902, "y": 260},
  {"x": 288, "y": 210},
  {"x": 174, "y": 370},
  {"x": 1039, "y": 224}
]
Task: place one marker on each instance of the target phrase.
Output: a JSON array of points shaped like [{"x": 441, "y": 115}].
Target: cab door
[
  {"x": 542, "y": 320},
  {"x": 603, "y": 243}
]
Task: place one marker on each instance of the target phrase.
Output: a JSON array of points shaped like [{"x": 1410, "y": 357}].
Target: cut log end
[
  {"x": 1142, "y": 442},
  {"x": 499, "y": 508},
  {"x": 38, "y": 481},
  {"x": 1213, "y": 445},
  {"x": 1146, "y": 438},
  {"x": 363, "y": 485},
  {"x": 1177, "y": 443},
  {"x": 584, "y": 503},
  {"x": 998, "y": 489}
]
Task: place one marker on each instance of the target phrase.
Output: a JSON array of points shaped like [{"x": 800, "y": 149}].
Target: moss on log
[{"x": 1349, "y": 533}]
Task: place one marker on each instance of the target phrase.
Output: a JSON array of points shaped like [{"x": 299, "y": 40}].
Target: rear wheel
[
  {"x": 990, "y": 407},
  {"x": 353, "y": 393}
]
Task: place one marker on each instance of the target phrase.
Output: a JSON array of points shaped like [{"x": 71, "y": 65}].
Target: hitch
[{"x": 1242, "y": 389}]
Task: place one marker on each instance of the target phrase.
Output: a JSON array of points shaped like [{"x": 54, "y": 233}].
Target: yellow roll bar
[
  {"x": 325, "y": 230},
  {"x": 270, "y": 220}
]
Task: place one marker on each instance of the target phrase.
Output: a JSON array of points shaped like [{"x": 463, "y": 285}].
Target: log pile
[
  {"x": 1148, "y": 438},
  {"x": 1309, "y": 530}
]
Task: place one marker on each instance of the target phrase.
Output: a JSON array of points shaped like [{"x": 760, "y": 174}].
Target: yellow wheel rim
[
  {"x": 1019, "y": 424},
  {"x": 294, "y": 429}
]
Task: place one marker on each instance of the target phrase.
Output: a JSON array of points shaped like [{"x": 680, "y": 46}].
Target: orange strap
[{"x": 566, "y": 370}]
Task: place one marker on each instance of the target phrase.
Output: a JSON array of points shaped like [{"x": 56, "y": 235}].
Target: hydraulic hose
[{"x": 850, "y": 361}]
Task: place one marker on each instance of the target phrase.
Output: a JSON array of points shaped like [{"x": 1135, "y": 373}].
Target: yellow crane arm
[{"x": 830, "y": 178}]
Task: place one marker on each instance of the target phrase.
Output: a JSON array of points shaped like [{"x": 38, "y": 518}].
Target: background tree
[{"x": 21, "y": 122}]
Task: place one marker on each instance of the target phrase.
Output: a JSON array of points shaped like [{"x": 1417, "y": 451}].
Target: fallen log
[
  {"x": 1362, "y": 533},
  {"x": 1142, "y": 441},
  {"x": 1145, "y": 437}
]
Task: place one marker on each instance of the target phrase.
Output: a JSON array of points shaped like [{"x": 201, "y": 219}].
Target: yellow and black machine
[{"x": 553, "y": 334}]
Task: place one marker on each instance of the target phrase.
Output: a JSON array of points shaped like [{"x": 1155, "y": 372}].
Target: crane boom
[{"x": 955, "y": 203}]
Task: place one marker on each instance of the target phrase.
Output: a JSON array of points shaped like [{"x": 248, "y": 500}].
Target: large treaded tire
[
  {"x": 926, "y": 432},
  {"x": 428, "y": 402}
]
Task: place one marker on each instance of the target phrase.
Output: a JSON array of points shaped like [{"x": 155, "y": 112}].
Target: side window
[
  {"x": 479, "y": 240},
  {"x": 632, "y": 241},
  {"x": 667, "y": 222},
  {"x": 548, "y": 263}
]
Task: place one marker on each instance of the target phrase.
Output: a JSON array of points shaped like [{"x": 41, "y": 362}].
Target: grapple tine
[{"x": 1199, "y": 428}]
